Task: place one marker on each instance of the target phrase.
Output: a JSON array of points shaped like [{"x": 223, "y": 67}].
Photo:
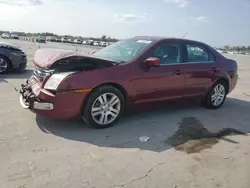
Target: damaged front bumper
[
  {"x": 58, "y": 105},
  {"x": 29, "y": 100}
]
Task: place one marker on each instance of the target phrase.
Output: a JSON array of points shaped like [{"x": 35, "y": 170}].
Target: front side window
[
  {"x": 197, "y": 54},
  {"x": 167, "y": 53},
  {"x": 124, "y": 50}
]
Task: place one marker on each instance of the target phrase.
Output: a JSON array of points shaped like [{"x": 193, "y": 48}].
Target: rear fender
[{"x": 225, "y": 78}]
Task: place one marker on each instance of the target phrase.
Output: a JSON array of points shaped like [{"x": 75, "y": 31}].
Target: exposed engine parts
[{"x": 28, "y": 96}]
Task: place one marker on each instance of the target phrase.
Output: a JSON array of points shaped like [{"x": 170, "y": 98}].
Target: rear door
[{"x": 200, "y": 69}]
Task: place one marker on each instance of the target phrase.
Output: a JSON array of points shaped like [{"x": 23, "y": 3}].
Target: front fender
[
  {"x": 6, "y": 53},
  {"x": 15, "y": 60}
]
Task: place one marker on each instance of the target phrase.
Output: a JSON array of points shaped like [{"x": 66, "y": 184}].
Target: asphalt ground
[{"x": 189, "y": 146}]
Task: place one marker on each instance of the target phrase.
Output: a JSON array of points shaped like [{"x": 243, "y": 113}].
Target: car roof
[{"x": 159, "y": 38}]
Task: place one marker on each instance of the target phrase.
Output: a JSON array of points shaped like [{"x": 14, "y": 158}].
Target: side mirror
[{"x": 153, "y": 62}]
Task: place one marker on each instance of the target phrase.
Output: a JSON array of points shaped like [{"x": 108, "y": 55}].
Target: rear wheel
[
  {"x": 103, "y": 107},
  {"x": 4, "y": 65},
  {"x": 216, "y": 95}
]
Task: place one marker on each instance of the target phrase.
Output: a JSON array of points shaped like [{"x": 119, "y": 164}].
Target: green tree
[{"x": 103, "y": 38}]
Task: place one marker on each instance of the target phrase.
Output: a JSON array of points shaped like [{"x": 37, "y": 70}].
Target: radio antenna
[{"x": 184, "y": 34}]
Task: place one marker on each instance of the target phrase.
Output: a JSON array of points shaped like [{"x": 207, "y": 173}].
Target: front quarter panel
[{"x": 88, "y": 80}]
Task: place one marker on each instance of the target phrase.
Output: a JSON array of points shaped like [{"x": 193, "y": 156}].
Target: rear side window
[
  {"x": 211, "y": 57},
  {"x": 197, "y": 53}
]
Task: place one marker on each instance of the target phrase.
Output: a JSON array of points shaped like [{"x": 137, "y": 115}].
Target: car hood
[
  {"x": 8, "y": 45},
  {"x": 45, "y": 58}
]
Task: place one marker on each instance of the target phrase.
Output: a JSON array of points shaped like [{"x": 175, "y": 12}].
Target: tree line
[
  {"x": 236, "y": 48},
  {"x": 48, "y": 34}
]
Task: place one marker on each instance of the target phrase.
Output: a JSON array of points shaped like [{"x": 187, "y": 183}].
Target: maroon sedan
[{"x": 97, "y": 87}]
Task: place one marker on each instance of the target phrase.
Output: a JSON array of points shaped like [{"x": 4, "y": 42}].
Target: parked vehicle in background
[
  {"x": 84, "y": 42},
  {"x": 64, "y": 39},
  {"x": 77, "y": 41},
  {"x": 96, "y": 43},
  {"x": 14, "y": 36},
  {"x": 11, "y": 57},
  {"x": 5, "y": 36},
  {"x": 57, "y": 40},
  {"x": 50, "y": 38},
  {"x": 103, "y": 44},
  {"x": 40, "y": 39},
  {"x": 242, "y": 53},
  {"x": 221, "y": 51},
  {"x": 99, "y": 86},
  {"x": 70, "y": 41},
  {"x": 90, "y": 42}
]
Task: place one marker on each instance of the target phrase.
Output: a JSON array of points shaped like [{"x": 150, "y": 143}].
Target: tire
[
  {"x": 110, "y": 112},
  {"x": 210, "y": 100},
  {"x": 4, "y": 65}
]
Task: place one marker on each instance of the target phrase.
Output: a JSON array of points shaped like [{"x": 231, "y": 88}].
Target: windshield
[{"x": 124, "y": 50}]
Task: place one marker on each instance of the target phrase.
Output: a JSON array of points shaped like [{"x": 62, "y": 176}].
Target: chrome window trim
[{"x": 186, "y": 63}]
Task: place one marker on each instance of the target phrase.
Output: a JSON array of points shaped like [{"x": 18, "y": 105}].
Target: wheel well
[
  {"x": 224, "y": 80},
  {"x": 9, "y": 61},
  {"x": 115, "y": 85}
]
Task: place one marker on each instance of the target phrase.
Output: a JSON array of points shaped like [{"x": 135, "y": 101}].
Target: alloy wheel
[
  {"x": 106, "y": 108},
  {"x": 3, "y": 65},
  {"x": 218, "y": 95}
]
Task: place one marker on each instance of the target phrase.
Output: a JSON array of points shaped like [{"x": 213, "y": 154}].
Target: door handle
[
  {"x": 178, "y": 72},
  {"x": 215, "y": 70}
]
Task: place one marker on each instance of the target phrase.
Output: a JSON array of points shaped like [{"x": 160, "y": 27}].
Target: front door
[{"x": 164, "y": 82}]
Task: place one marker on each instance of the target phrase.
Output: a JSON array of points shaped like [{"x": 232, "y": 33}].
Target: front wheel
[
  {"x": 216, "y": 95},
  {"x": 103, "y": 107},
  {"x": 4, "y": 65}
]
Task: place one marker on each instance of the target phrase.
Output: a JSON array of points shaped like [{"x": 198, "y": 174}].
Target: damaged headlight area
[
  {"x": 54, "y": 81},
  {"x": 42, "y": 73}
]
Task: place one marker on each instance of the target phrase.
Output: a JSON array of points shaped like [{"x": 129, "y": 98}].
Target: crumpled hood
[
  {"x": 46, "y": 57},
  {"x": 9, "y": 45}
]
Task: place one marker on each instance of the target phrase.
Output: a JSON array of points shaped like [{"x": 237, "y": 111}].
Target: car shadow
[
  {"x": 15, "y": 74},
  {"x": 184, "y": 126}
]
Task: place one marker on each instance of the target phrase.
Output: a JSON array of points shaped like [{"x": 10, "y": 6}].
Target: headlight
[{"x": 54, "y": 81}]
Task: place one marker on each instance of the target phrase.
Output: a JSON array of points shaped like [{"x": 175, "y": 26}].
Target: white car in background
[
  {"x": 77, "y": 41},
  {"x": 70, "y": 41},
  {"x": 5, "y": 36},
  {"x": 103, "y": 44},
  {"x": 96, "y": 43}
]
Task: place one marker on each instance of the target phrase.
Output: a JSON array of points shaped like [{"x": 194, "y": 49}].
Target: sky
[{"x": 216, "y": 22}]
